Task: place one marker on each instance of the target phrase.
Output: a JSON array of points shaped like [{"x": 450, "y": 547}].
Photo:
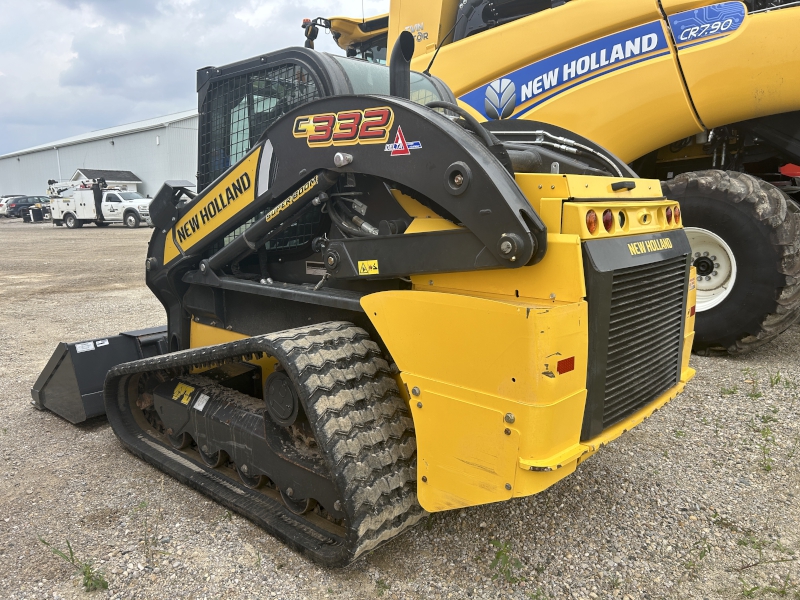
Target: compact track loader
[
  {"x": 703, "y": 95},
  {"x": 379, "y": 307}
]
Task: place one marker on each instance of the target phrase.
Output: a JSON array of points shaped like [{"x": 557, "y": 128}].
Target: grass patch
[
  {"x": 505, "y": 565},
  {"x": 700, "y": 549},
  {"x": 92, "y": 580}
]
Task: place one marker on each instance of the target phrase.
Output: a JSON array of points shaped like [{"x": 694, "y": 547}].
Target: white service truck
[{"x": 115, "y": 206}]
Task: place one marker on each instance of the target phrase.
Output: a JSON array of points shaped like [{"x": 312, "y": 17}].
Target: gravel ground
[{"x": 698, "y": 502}]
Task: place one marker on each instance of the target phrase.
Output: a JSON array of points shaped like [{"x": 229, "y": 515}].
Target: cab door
[{"x": 112, "y": 207}]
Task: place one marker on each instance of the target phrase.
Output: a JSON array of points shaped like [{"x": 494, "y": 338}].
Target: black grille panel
[{"x": 645, "y": 336}]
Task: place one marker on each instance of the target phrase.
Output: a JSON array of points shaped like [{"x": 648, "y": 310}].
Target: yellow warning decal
[
  {"x": 649, "y": 246},
  {"x": 368, "y": 267},
  {"x": 183, "y": 393}
]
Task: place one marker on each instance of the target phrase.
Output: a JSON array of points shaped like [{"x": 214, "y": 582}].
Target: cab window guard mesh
[{"x": 237, "y": 110}]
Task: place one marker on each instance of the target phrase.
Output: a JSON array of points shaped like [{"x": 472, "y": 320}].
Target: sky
[{"x": 72, "y": 66}]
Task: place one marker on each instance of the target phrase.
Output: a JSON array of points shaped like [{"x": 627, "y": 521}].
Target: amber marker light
[
  {"x": 591, "y": 222},
  {"x": 677, "y": 215}
]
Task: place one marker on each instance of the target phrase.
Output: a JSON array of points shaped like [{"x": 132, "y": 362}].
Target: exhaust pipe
[{"x": 400, "y": 66}]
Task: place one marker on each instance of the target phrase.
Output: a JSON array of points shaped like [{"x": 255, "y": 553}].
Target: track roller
[
  {"x": 213, "y": 459},
  {"x": 253, "y": 481},
  {"x": 180, "y": 441}
]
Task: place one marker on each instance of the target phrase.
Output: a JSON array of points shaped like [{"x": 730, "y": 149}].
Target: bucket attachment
[{"x": 71, "y": 384}]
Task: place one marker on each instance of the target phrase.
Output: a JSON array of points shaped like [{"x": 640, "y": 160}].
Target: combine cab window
[
  {"x": 237, "y": 110},
  {"x": 480, "y": 15},
  {"x": 373, "y": 50}
]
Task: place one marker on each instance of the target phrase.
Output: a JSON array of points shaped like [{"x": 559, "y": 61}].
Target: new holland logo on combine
[{"x": 400, "y": 147}]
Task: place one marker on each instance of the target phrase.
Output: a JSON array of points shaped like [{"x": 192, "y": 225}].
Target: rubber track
[
  {"x": 363, "y": 428},
  {"x": 782, "y": 215}
]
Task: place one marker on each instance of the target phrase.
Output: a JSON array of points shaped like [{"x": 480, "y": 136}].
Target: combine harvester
[
  {"x": 703, "y": 96},
  {"x": 377, "y": 308}
]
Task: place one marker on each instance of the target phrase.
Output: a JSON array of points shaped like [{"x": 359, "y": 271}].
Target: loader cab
[{"x": 238, "y": 102}]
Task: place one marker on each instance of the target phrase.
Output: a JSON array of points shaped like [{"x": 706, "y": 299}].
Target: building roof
[
  {"x": 109, "y": 132},
  {"x": 106, "y": 174}
]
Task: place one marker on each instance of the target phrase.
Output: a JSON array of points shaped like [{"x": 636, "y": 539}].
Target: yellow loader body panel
[{"x": 501, "y": 417}]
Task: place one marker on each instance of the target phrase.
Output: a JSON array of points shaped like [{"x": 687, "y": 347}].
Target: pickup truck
[{"x": 117, "y": 206}]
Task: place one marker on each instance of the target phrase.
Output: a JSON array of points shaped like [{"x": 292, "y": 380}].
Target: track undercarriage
[{"x": 336, "y": 483}]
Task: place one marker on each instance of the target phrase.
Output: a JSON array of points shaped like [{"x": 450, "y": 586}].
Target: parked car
[
  {"x": 17, "y": 205},
  {"x": 36, "y": 213},
  {"x": 4, "y": 200}
]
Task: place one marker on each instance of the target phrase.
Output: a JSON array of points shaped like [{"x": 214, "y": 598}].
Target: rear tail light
[
  {"x": 669, "y": 215},
  {"x": 692, "y": 311},
  {"x": 608, "y": 220},
  {"x": 677, "y": 215},
  {"x": 591, "y": 221}
]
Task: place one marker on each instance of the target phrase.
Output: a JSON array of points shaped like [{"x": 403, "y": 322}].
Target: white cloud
[{"x": 71, "y": 66}]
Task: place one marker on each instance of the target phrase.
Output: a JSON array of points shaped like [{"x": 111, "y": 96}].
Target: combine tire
[
  {"x": 350, "y": 486},
  {"x": 745, "y": 238}
]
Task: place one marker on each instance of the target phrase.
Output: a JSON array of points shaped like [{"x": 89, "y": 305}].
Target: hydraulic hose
[{"x": 473, "y": 123}]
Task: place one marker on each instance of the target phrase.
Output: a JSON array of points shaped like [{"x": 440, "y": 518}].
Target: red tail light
[
  {"x": 591, "y": 221},
  {"x": 608, "y": 220},
  {"x": 669, "y": 216},
  {"x": 677, "y": 215}
]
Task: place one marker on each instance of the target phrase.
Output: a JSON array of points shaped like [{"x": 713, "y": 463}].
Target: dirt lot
[{"x": 701, "y": 501}]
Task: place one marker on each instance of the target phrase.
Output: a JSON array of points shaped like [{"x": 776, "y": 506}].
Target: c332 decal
[
  {"x": 345, "y": 128},
  {"x": 514, "y": 94},
  {"x": 706, "y": 24}
]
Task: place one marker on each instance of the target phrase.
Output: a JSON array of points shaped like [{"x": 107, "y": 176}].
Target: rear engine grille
[{"x": 645, "y": 336}]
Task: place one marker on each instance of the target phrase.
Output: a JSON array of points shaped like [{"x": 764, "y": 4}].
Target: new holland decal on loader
[
  {"x": 376, "y": 308},
  {"x": 702, "y": 95}
]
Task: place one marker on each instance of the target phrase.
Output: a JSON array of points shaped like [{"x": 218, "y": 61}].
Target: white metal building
[{"x": 156, "y": 150}]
